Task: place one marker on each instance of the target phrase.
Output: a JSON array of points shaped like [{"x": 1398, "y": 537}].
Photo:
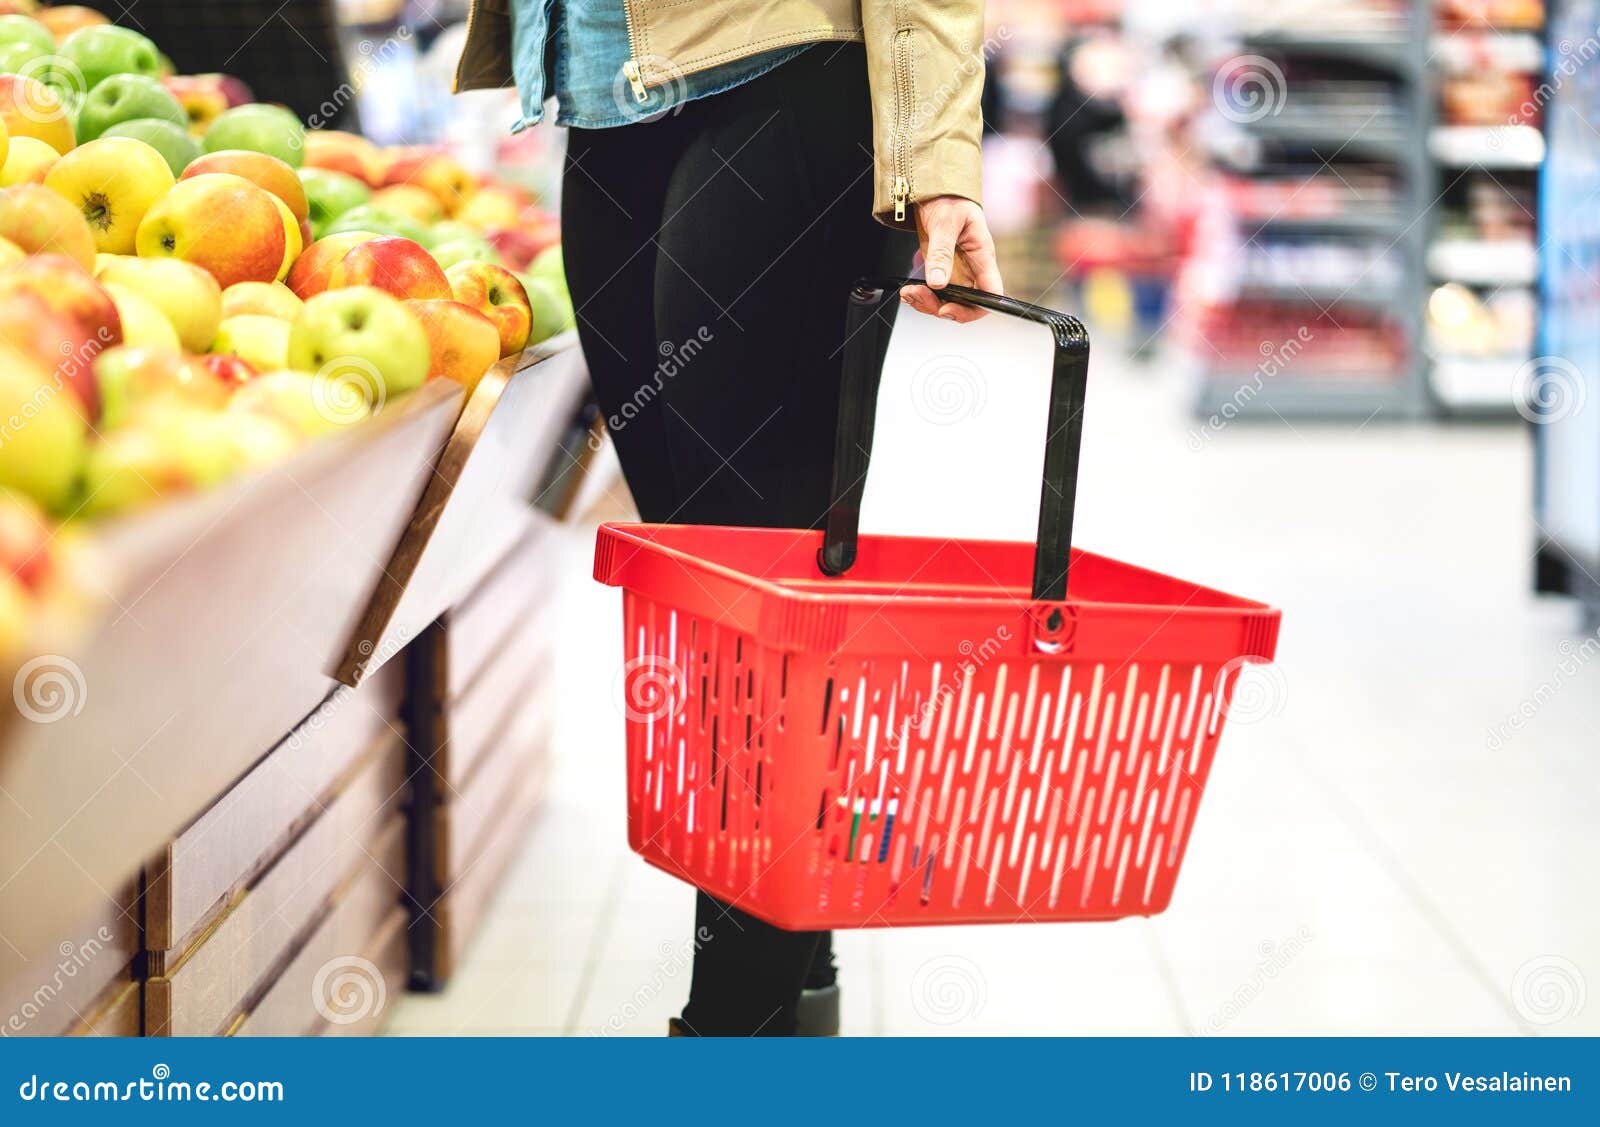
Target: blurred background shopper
[{"x": 792, "y": 138}]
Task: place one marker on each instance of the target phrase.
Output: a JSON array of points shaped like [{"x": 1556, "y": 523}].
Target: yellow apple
[
  {"x": 10, "y": 253},
  {"x": 188, "y": 295},
  {"x": 27, "y": 160},
  {"x": 29, "y": 108},
  {"x": 143, "y": 323},
  {"x": 408, "y": 199},
  {"x": 269, "y": 299},
  {"x": 263, "y": 342},
  {"x": 112, "y": 182},
  {"x": 293, "y": 239}
]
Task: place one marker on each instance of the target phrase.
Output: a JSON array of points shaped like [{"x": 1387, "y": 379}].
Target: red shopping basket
[{"x": 837, "y": 731}]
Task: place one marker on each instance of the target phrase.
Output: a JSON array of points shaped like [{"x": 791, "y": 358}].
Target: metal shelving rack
[
  {"x": 1465, "y": 386},
  {"x": 1314, "y": 139}
]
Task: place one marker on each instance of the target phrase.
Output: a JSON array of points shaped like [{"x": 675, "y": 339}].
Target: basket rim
[{"x": 637, "y": 535}]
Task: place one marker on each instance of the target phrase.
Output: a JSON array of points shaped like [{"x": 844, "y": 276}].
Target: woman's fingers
[{"x": 956, "y": 248}]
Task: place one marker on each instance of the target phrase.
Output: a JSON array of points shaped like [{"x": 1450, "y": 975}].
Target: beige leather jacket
[{"x": 925, "y": 59}]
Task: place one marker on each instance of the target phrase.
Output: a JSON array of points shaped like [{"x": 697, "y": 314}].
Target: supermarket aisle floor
[{"x": 1398, "y": 845}]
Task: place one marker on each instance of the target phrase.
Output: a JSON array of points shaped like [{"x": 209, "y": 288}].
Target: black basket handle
[{"x": 872, "y": 309}]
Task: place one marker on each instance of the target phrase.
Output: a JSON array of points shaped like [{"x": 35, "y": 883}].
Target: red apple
[
  {"x": 495, "y": 292},
  {"x": 69, "y": 292},
  {"x": 56, "y": 342},
  {"x": 344, "y": 152},
  {"x": 25, "y": 537},
  {"x": 464, "y": 343},
  {"x": 313, "y": 270},
  {"x": 519, "y": 246},
  {"x": 205, "y": 96},
  {"x": 397, "y": 266},
  {"x": 230, "y": 369}
]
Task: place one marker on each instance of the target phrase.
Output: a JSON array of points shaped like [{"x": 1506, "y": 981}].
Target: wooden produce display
[
  {"x": 479, "y": 705},
  {"x": 300, "y": 861},
  {"x": 478, "y": 502},
  {"x": 462, "y": 597},
  {"x": 86, "y": 983},
  {"x": 224, "y": 615}
]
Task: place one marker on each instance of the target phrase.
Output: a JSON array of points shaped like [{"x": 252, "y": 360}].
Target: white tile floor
[{"x": 1368, "y": 860}]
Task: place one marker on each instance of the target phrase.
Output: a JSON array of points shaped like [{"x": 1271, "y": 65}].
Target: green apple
[
  {"x": 42, "y": 435},
  {"x": 552, "y": 308},
  {"x": 376, "y": 220},
  {"x": 330, "y": 194},
  {"x": 103, "y": 50},
  {"x": 259, "y": 129},
  {"x": 451, "y": 230},
  {"x": 361, "y": 337},
  {"x": 125, "y": 97},
  {"x": 258, "y": 440},
  {"x": 171, "y": 448},
  {"x": 550, "y": 266},
  {"x": 298, "y": 399},
  {"x": 168, "y": 138},
  {"x": 26, "y": 29},
  {"x": 15, "y": 57},
  {"x": 261, "y": 341},
  {"x": 464, "y": 250}
]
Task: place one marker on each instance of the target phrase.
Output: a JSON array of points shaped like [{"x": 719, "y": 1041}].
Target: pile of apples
[{"x": 192, "y": 285}]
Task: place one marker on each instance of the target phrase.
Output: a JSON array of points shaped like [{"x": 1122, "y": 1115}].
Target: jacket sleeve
[{"x": 926, "y": 61}]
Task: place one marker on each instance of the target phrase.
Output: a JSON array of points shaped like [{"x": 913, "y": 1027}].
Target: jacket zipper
[
  {"x": 630, "y": 69},
  {"x": 902, "y": 100},
  {"x": 472, "y": 11}
]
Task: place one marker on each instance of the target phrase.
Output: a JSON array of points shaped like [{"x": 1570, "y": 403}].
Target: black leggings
[{"x": 709, "y": 253}]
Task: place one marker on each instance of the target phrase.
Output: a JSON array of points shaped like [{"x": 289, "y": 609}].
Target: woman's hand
[{"x": 956, "y": 247}]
